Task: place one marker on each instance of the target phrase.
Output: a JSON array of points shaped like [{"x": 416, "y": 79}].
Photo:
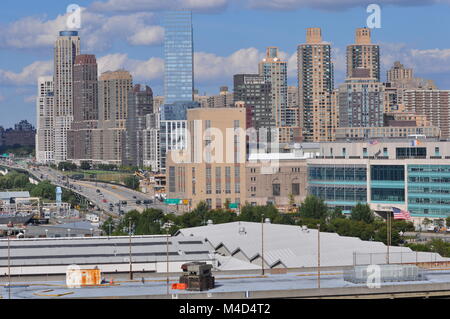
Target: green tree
[
  {"x": 85, "y": 165},
  {"x": 44, "y": 190},
  {"x": 313, "y": 207},
  {"x": 362, "y": 212},
  {"x": 109, "y": 226},
  {"x": 336, "y": 213},
  {"x": 132, "y": 182}
]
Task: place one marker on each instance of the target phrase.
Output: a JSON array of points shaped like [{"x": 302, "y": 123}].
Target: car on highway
[
  {"x": 148, "y": 202},
  {"x": 134, "y": 197},
  {"x": 138, "y": 202},
  {"x": 98, "y": 191},
  {"x": 104, "y": 200},
  {"x": 124, "y": 202}
]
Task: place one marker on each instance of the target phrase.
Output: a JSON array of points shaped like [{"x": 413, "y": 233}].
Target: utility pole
[
  {"x": 262, "y": 244},
  {"x": 167, "y": 260},
  {"x": 318, "y": 256},
  {"x": 9, "y": 267},
  {"x": 131, "y": 264},
  {"x": 388, "y": 233}
]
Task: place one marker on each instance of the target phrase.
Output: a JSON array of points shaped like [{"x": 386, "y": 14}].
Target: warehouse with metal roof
[
  {"x": 238, "y": 245},
  {"x": 109, "y": 254}
]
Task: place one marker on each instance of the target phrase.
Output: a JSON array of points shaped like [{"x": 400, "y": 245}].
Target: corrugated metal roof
[
  {"x": 102, "y": 250},
  {"x": 8, "y": 195},
  {"x": 295, "y": 247}
]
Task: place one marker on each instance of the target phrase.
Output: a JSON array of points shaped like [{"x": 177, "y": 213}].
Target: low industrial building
[
  {"x": 238, "y": 245},
  {"x": 52, "y": 256}
]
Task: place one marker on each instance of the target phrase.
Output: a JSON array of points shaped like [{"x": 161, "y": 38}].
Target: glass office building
[
  {"x": 384, "y": 175},
  {"x": 179, "y": 57}
]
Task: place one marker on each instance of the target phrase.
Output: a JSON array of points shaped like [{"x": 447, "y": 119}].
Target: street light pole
[
  {"x": 318, "y": 256},
  {"x": 9, "y": 267},
  {"x": 131, "y": 265},
  {"x": 167, "y": 260},
  {"x": 262, "y": 244}
]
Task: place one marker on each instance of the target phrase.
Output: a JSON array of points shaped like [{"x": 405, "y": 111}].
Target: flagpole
[{"x": 388, "y": 233}]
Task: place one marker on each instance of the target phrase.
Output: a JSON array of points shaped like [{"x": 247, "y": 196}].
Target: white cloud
[
  {"x": 151, "y": 69},
  {"x": 333, "y": 4},
  {"x": 147, "y": 36},
  {"x": 98, "y": 31},
  {"x": 422, "y": 61},
  {"x": 157, "y": 5},
  {"x": 28, "y": 75},
  {"x": 30, "y": 99}
]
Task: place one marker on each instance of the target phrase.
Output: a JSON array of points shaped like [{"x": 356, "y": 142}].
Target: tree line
[{"x": 361, "y": 223}]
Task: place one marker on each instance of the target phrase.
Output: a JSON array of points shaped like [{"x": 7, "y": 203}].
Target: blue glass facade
[
  {"x": 387, "y": 184},
  {"x": 341, "y": 186},
  {"x": 179, "y": 57},
  {"x": 429, "y": 190},
  {"x": 423, "y": 189},
  {"x": 177, "y": 111}
]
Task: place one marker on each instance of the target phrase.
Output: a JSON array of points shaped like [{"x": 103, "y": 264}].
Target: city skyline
[{"x": 31, "y": 34}]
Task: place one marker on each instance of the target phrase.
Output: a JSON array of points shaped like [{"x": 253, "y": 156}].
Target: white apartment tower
[
  {"x": 45, "y": 121},
  {"x": 67, "y": 47}
]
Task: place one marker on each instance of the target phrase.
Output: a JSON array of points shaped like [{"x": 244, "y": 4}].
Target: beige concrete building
[
  {"x": 210, "y": 170},
  {"x": 315, "y": 82},
  {"x": 274, "y": 71},
  {"x": 279, "y": 184},
  {"x": 113, "y": 88},
  {"x": 198, "y": 174},
  {"x": 363, "y": 54},
  {"x": 434, "y": 104}
]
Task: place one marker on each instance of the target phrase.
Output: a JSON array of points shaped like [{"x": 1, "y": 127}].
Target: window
[
  {"x": 388, "y": 194},
  {"x": 172, "y": 186},
  {"x": 388, "y": 172},
  {"x": 275, "y": 189},
  {"x": 411, "y": 152},
  {"x": 295, "y": 189}
]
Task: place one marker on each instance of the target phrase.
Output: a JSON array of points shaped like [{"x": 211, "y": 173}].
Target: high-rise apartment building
[
  {"x": 67, "y": 47},
  {"x": 398, "y": 72},
  {"x": 80, "y": 138},
  {"x": 179, "y": 57},
  {"x": 434, "y": 104},
  {"x": 315, "y": 83},
  {"x": 140, "y": 103},
  {"x": 113, "y": 89},
  {"x": 274, "y": 71},
  {"x": 255, "y": 92},
  {"x": 361, "y": 101},
  {"x": 363, "y": 54},
  {"x": 45, "y": 142},
  {"x": 399, "y": 80}
]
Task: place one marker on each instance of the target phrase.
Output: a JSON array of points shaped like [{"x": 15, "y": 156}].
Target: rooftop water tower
[{"x": 58, "y": 196}]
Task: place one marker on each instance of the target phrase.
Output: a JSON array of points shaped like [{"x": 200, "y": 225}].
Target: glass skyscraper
[{"x": 179, "y": 57}]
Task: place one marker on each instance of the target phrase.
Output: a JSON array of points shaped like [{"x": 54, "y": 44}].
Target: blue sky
[{"x": 230, "y": 37}]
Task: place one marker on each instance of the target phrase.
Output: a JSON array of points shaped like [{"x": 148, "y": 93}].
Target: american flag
[
  {"x": 400, "y": 214},
  {"x": 374, "y": 142}
]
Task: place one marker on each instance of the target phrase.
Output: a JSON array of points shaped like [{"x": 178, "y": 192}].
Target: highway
[{"x": 107, "y": 197}]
